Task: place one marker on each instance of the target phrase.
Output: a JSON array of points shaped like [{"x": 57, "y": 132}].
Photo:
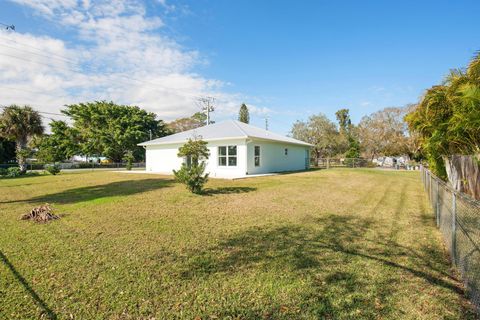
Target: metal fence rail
[{"x": 458, "y": 218}]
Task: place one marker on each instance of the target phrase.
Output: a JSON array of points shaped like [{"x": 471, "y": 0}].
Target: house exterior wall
[
  {"x": 273, "y": 158},
  {"x": 164, "y": 159}
]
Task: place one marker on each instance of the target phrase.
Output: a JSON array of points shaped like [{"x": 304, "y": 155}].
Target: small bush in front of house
[
  {"x": 192, "y": 171},
  {"x": 53, "y": 169},
  {"x": 14, "y": 172},
  {"x": 3, "y": 172},
  {"x": 129, "y": 159},
  {"x": 193, "y": 177}
]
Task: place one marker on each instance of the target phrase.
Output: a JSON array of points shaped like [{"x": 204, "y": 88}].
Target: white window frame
[{"x": 227, "y": 156}]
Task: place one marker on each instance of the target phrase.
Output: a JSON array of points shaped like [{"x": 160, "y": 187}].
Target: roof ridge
[{"x": 238, "y": 126}]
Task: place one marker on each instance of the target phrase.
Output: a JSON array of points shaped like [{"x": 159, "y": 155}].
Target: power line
[
  {"x": 79, "y": 69},
  {"x": 36, "y": 48},
  {"x": 43, "y": 112},
  {"x": 35, "y": 53}
]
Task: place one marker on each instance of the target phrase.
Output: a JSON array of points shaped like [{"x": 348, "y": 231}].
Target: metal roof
[{"x": 230, "y": 129}]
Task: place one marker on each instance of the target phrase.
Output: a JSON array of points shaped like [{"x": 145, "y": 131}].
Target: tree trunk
[
  {"x": 21, "y": 146},
  {"x": 464, "y": 174}
]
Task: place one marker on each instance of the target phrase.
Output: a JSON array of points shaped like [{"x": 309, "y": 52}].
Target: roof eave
[{"x": 146, "y": 143}]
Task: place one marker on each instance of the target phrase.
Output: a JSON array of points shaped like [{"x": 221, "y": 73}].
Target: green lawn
[{"x": 330, "y": 244}]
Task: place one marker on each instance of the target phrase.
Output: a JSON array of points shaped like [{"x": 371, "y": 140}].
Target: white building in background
[{"x": 236, "y": 150}]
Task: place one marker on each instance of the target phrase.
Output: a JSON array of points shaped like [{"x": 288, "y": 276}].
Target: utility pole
[
  {"x": 206, "y": 104},
  {"x": 266, "y": 123}
]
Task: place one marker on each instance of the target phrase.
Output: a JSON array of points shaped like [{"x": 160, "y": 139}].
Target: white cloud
[{"x": 118, "y": 53}]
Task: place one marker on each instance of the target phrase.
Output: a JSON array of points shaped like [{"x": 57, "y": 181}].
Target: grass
[{"x": 331, "y": 244}]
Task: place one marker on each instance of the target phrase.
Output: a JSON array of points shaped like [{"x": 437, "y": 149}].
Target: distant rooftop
[{"x": 230, "y": 129}]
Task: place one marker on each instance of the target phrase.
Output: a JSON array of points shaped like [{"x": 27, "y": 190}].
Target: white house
[{"x": 236, "y": 150}]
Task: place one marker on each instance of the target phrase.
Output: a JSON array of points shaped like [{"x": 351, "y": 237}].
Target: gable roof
[{"x": 230, "y": 129}]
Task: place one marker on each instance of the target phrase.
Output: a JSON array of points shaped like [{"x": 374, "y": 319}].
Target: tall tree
[
  {"x": 385, "y": 133},
  {"x": 243, "y": 114},
  {"x": 105, "y": 128},
  {"x": 350, "y": 142},
  {"x": 20, "y": 124},
  {"x": 344, "y": 121},
  {"x": 197, "y": 120},
  {"x": 63, "y": 143},
  {"x": 447, "y": 119},
  {"x": 321, "y": 132}
]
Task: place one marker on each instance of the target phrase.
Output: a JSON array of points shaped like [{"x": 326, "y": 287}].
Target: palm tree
[{"x": 20, "y": 124}]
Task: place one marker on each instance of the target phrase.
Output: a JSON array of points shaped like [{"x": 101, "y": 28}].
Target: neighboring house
[
  {"x": 391, "y": 161},
  {"x": 236, "y": 150},
  {"x": 80, "y": 158}
]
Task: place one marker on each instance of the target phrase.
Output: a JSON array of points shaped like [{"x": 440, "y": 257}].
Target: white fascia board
[{"x": 184, "y": 141}]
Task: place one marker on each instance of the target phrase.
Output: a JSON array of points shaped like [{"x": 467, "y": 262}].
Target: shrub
[
  {"x": 53, "y": 169},
  {"x": 14, "y": 172},
  {"x": 192, "y": 171},
  {"x": 129, "y": 159},
  {"x": 192, "y": 177},
  {"x": 3, "y": 172}
]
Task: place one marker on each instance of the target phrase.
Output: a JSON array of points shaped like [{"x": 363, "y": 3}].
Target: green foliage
[
  {"x": 192, "y": 171},
  {"x": 7, "y": 150},
  {"x": 192, "y": 176},
  {"x": 53, "y": 169},
  {"x": 111, "y": 130},
  {"x": 129, "y": 158},
  {"x": 195, "y": 150},
  {"x": 344, "y": 121},
  {"x": 447, "y": 118},
  {"x": 14, "y": 172},
  {"x": 243, "y": 114},
  {"x": 354, "y": 149},
  {"x": 349, "y": 134},
  {"x": 62, "y": 144},
  {"x": 321, "y": 132},
  {"x": 20, "y": 124},
  {"x": 3, "y": 172}
]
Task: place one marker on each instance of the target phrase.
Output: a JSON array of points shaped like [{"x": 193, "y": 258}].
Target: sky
[{"x": 287, "y": 60}]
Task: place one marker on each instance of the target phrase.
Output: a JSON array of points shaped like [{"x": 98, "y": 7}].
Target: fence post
[
  {"x": 454, "y": 228},
  {"x": 328, "y": 163},
  {"x": 437, "y": 208}
]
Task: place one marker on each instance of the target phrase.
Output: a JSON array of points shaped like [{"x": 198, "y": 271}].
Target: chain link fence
[
  {"x": 327, "y": 163},
  {"x": 458, "y": 218}
]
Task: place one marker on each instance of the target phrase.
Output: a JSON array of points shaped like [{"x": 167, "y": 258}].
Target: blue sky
[{"x": 287, "y": 59}]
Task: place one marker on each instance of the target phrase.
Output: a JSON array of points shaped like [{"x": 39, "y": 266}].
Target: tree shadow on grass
[
  {"x": 227, "y": 190},
  {"x": 89, "y": 193},
  {"x": 45, "y": 308},
  {"x": 332, "y": 255}
]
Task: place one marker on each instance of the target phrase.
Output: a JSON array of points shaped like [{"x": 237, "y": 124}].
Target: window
[
  {"x": 232, "y": 155},
  {"x": 227, "y": 156},
  {"x": 222, "y": 156},
  {"x": 286, "y": 151},
  {"x": 257, "y": 156}
]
